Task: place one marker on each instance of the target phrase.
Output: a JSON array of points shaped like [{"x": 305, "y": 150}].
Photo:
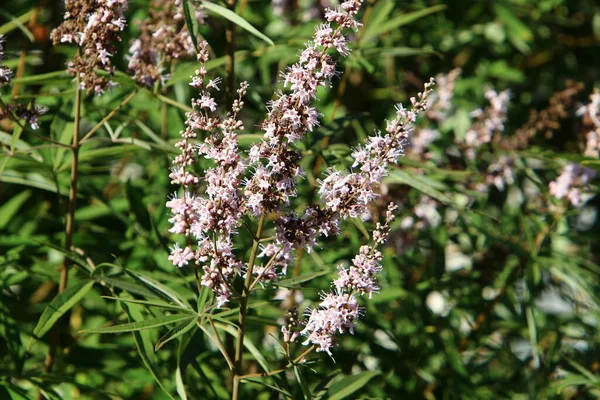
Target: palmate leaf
[
  {"x": 62, "y": 303},
  {"x": 178, "y": 330},
  {"x": 140, "y": 325}
]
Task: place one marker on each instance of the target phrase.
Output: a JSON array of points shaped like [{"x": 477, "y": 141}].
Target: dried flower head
[{"x": 94, "y": 26}]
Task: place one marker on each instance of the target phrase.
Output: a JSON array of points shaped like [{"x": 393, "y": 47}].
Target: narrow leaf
[
  {"x": 59, "y": 306},
  {"x": 159, "y": 289},
  {"x": 350, "y": 385},
  {"x": 175, "y": 332},
  {"x": 139, "y": 325},
  {"x": 236, "y": 19},
  {"x": 395, "y": 23}
]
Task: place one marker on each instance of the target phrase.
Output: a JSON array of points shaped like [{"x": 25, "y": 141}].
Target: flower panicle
[
  {"x": 211, "y": 219},
  {"x": 13, "y": 110},
  {"x": 291, "y": 115},
  {"x": 163, "y": 37},
  {"x": 572, "y": 183},
  {"x": 94, "y": 26},
  {"x": 489, "y": 121},
  {"x": 591, "y": 116},
  {"x": 339, "y": 309},
  {"x": 348, "y": 194}
]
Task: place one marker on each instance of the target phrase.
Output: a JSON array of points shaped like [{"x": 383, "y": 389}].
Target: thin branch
[
  {"x": 221, "y": 345},
  {"x": 278, "y": 371},
  {"x": 239, "y": 349},
  {"x": 109, "y": 116},
  {"x": 69, "y": 229}
]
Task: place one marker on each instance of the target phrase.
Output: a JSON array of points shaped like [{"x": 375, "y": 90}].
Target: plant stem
[
  {"x": 239, "y": 349},
  {"x": 230, "y": 57},
  {"x": 69, "y": 229},
  {"x": 109, "y": 116},
  {"x": 278, "y": 371}
]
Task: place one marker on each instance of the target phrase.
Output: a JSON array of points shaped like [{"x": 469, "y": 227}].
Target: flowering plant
[{"x": 216, "y": 214}]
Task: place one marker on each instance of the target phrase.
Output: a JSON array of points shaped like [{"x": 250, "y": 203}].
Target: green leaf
[
  {"x": 292, "y": 282},
  {"x": 248, "y": 344},
  {"x": 236, "y": 19},
  {"x": 320, "y": 390},
  {"x": 16, "y": 22},
  {"x": 139, "y": 325},
  {"x": 420, "y": 183},
  {"x": 373, "y": 30},
  {"x": 17, "y": 131},
  {"x": 12, "y": 206},
  {"x": 62, "y": 303},
  {"x": 34, "y": 181},
  {"x": 205, "y": 292},
  {"x": 303, "y": 383},
  {"x": 573, "y": 380},
  {"x": 518, "y": 32},
  {"x": 400, "y": 51},
  {"x": 142, "y": 346},
  {"x": 178, "y": 330},
  {"x": 152, "y": 304},
  {"x": 159, "y": 289},
  {"x": 191, "y": 23},
  {"x": 350, "y": 385},
  {"x": 137, "y": 206},
  {"x": 9, "y": 331}
]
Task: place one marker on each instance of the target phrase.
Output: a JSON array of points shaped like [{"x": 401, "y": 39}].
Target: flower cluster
[
  {"x": 212, "y": 219},
  {"x": 348, "y": 194},
  {"x": 500, "y": 172},
  {"x": 570, "y": 183},
  {"x": 591, "y": 116},
  {"x": 291, "y": 115},
  {"x": 339, "y": 309},
  {"x": 489, "y": 121},
  {"x": 94, "y": 26},
  {"x": 30, "y": 115},
  {"x": 440, "y": 102},
  {"x": 439, "y": 108},
  {"x": 5, "y": 72},
  {"x": 163, "y": 38},
  {"x": 16, "y": 110}
]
